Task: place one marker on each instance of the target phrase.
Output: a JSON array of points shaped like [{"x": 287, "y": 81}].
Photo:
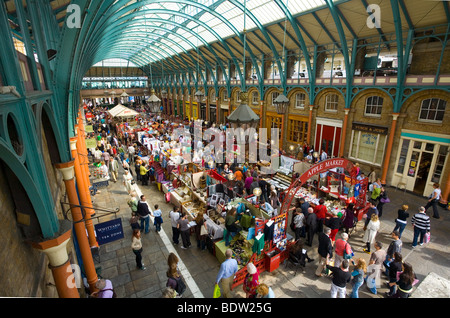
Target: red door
[{"x": 328, "y": 138}]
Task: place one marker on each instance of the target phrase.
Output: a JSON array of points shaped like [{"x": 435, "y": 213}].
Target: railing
[{"x": 103, "y": 212}]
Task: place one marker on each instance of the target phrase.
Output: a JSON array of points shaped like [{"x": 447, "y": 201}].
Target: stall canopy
[{"x": 122, "y": 111}]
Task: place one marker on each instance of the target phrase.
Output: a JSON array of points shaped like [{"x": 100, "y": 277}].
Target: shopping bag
[
  {"x": 426, "y": 237},
  {"x": 216, "y": 291}
]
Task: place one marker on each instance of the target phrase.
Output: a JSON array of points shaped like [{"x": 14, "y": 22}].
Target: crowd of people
[{"x": 336, "y": 255}]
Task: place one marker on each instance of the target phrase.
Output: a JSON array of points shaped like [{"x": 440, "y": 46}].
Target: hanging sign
[
  {"x": 91, "y": 143},
  {"x": 109, "y": 231}
]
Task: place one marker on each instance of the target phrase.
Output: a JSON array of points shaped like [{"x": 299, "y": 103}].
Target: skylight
[{"x": 223, "y": 17}]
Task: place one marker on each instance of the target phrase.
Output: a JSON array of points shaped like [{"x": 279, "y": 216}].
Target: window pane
[
  {"x": 380, "y": 151},
  {"x": 402, "y": 158},
  {"x": 367, "y": 147},
  {"x": 439, "y": 164},
  {"x": 355, "y": 144}
]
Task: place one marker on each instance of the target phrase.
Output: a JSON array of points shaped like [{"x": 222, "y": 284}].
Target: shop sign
[
  {"x": 370, "y": 128},
  {"x": 324, "y": 166},
  {"x": 109, "y": 231}
]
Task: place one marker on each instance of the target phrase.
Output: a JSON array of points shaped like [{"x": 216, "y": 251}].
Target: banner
[
  {"x": 89, "y": 128},
  {"x": 109, "y": 231},
  {"x": 91, "y": 143}
]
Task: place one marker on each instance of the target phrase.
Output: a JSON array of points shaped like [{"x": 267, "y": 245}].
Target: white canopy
[{"x": 122, "y": 111}]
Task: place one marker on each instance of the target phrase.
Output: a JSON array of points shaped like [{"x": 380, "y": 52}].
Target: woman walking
[
  {"x": 136, "y": 246},
  {"x": 358, "y": 276},
  {"x": 371, "y": 232},
  {"x": 400, "y": 221}
]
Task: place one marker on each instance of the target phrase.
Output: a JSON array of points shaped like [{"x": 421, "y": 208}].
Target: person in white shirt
[
  {"x": 97, "y": 155},
  {"x": 174, "y": 216},
  {"x": 131, "y": 152},
  {"x": 323, "y": 155},
  {"x": 433, "y": 200}
]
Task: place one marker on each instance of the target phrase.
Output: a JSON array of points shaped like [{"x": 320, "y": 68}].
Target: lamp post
[
  {"x": 281, "y": 104},
  {"x": 164, "y": 100}
]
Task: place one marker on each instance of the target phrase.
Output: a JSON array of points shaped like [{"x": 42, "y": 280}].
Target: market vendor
[{"x": 232, "y": 226}]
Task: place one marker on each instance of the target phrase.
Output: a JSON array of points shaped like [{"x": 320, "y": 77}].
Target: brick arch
[
  {"x": 21, "y": 180},
  {"x": 411, "y": 107},
  {"x": 362, "y": 96},
  {"x": 325, "y": 91}
]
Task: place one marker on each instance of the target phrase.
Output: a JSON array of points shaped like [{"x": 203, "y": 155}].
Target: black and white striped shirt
[{"x": 421, "y": 221}]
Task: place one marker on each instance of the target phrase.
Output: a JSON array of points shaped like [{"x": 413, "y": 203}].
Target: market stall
[{"x": 337, "y": 183}]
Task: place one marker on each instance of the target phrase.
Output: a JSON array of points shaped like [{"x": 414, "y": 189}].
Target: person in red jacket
[{"x": 320, "y": 211}]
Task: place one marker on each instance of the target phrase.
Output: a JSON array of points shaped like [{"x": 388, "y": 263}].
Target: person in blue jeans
[
  {"x": 157, "y": 214},
  {"x": 421, "y": 223},
  {"x": 400, "y": 221},
  {"x": 144, "y": 214},
  {"x": 358, "y": 276}
]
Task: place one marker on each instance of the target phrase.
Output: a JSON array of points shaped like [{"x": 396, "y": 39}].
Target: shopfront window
[
  {"x": 273, "y": 122},
  {"x": 297, "y": 131},
  {"x": 368, "y": 147},
  {"x": 403, "y": 154},
  {"x": 440, "y": 164}
]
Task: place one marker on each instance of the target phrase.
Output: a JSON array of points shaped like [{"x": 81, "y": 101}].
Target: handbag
[
  {"x": 383, "y": 200},
  {"x": 347, "y": 256},
  {"x": 203, "y": 231}
]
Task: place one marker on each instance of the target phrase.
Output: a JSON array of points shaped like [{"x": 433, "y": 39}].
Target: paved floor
[{"x": 199, "y": 268}]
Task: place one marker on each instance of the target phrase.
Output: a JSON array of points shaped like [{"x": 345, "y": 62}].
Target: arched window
[
  {"x": 300, "y": 99},
  {"x": 255, "y": 98},
  {"x": 432, "y": 109},
  {"x": 374, "y": 104},
  {"x": 274, "y": 96},
  {"x": 331, "y": 102}
]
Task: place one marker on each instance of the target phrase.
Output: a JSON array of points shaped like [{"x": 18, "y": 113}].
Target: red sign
[
  {"x": 317, "y": 168},
  {"x": 327, "y": 165}
]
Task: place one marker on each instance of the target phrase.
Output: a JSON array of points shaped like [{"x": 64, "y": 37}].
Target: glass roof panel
[
  {"x": 115, "y": 63},
  {"x": 265, "y": 11}
]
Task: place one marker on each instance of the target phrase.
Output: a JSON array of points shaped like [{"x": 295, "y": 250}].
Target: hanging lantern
[
  {"x": 243, "y": 116},
  {"x": 154, "y": 102},
  {"x": 199, "y": 96},
  {"x": 281, "y": 103}
]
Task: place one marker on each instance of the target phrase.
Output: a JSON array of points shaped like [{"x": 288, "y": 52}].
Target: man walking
[
  {"x": 226, "y": 273},
  {"x": 421, "y": 225},
  {"x": 174, "y": 216},
  {"x": 394, "y": 246},
  {"x": 325, "y": 250},
  {"x": 144, "y": 213},
  {"x": 311, "y": 226},
  {"x": 114, "y": 168},
  {"x": 341, "y": 276}
]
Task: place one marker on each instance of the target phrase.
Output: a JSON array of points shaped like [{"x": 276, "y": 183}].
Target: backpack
[
  {"x": 111, "y": 289},
  {"x": 181, "y": 286}
]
